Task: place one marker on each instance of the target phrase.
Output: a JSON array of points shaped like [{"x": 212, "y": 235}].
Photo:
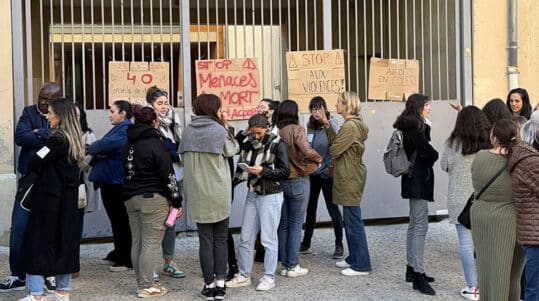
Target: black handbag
[
  {"x": 464, "y": 216},
  {"x": 24, "y": 190}
]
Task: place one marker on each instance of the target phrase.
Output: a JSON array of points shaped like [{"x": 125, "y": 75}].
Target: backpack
[{"x": 395, "y": 159}]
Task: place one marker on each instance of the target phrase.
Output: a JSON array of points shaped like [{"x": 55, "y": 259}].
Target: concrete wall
[
  {"x": 7, "y": 165},
  {"x": 490, "y": 49}
]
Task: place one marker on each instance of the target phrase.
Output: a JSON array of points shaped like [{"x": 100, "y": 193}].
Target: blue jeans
[
  {"x": 532, "y": 272},
  {"x": 359, "y": 259},
  {"x": 19, "y": 221},
  {"x": 36, "y": 283},
  {"x": 467, "y": 255},
  {"x": 296, "y": 195},
  {"x": 260, "y": 212},
  {"x": 417, "y": 230}
]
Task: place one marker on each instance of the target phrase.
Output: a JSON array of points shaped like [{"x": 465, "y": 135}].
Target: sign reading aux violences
[
  {"x": 235, "y": 81},
  {"x": 315, "y": 73},
  {"x": 130, "y": 80}
]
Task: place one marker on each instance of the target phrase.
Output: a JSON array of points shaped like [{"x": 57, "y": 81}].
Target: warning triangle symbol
[
  {"x": 292, "y": 63},
  {"x": 249, "y": 64},
  {"x": 338, "y": 59}
]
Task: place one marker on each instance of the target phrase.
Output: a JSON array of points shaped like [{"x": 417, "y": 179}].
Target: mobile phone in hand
[{"x": 243, "y": 166}]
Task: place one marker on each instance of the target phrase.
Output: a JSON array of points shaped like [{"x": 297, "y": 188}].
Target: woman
[
  {"x": 320, "y": 180},
  {"x": 350, "y": 173},
  {"x": 470, "y": 135},
  {"x": 107, "y": 174},
  {"x": 523, "y": 164},
  {"x": 518, "y": 102},
  {"x": 303, "y": 161},
  {"x": 495, "y": 109},
  {"x": 267, "y": 160},
  {"x": 51, "y": 240},
  {"x": 170, "y": 129},
  {"x": 206, "y": 144},
  {"x": 150, "y": 189},
  {"x": 417, "y": 185},
  {"x": 499, "y": 257}
]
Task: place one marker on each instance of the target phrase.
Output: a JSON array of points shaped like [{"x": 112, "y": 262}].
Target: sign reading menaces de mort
[
  {"x": 315, "y": 73},
  {"x": 235, "y": 81}
]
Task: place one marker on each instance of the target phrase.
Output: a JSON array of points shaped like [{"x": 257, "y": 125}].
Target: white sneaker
[
  {"x": 470, "y": 293},
  {"x": 31, "y": 298},
  {"x": 350, "y": 272},
  {"x": 238, "y": 281},
  {"x": 61, "y": 297},
  {"x": 266, "y": 283},
  {"x": 342, "y": 264},
  {"x": 297, "y": 271},
  {"x": 283, "y": 271}
]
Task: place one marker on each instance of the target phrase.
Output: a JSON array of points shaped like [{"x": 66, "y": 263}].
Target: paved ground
[{"x": 324, "y": 282}]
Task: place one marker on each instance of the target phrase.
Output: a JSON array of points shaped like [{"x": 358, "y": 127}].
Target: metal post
[
  {"x": 326, "y": 24},
  {"x": 186, "y": 60},
  {"x": 512, "y": 66},
  {"x": 464, "y": 50}
]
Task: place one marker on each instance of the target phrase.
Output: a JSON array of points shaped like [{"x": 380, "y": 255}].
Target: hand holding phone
[{"x": 244, "y": 166}]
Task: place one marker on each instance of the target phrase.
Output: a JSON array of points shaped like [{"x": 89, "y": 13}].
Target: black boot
[
  {"x": 422, "y": 285},
  {"x": 232, "y": 271},
  {"x": 410, "y": 275}
]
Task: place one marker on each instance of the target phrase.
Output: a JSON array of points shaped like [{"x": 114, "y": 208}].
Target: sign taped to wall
[
  {"x": 130, "y": 80},
  {"x": 235, "y": 81},
  {"x": 393, "y": 79},
  {"x": 315, "y": 73}
]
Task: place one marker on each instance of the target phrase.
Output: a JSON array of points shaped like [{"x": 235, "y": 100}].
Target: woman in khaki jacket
[{"x": 349, "y": 176}]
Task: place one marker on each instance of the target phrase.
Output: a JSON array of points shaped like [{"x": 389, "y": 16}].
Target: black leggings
[{"x": 119, "y": 221}]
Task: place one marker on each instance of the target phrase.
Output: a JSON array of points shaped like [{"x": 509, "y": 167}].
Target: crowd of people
[{"x": 145, "y": 168}]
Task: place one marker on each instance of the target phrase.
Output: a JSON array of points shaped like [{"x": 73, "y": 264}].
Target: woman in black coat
[
  {"x": 417, "y": 185},
  {"x": 51, "y": 240}
]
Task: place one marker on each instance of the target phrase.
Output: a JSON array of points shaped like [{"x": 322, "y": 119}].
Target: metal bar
[
  {"x": 262, "y": 47},
  {"x": 73, "y": 89},
  {"x": 297, "y": 25},
  {"x": 315, "y": 25},
  {"x": 171, "y": 54},
  {"x": 113, "y": 29},
  {"x": 217, "y": 26},
  {"x": 339, "y": 19},
  {"x": 271, "y": 49},
  {"x": 93, "y": 52},
  {"x": 151, "y": 32},
  {"x": 430, "y": 49},
  {"x": 161, "y": 54},
  {"x": 356, "y": 35},
  {"x": 142, "y": 30},
  {"x": 83, "y": 55},
  {"x": 208, "y": 27},
  {"x": 289, "y": 28},
  {"x": 414, "y": 28},
  {"x": 253, "y": 26},
  {"x": 122, "y": 29},
  {"x": 244, "y": 30},
  {"x": 281, "y": 62},
  {"x": 132, "y": 33},
  {"x": 327, "y": 24},
  {"x": 365, "y": 48},
  {"x": 389, "y": 27},
  {"x": 186, "y": 59},
  {"x": 198, "y": 30},
  {"x": 439, "y": 51},
  {"x": 103, "y": 55},
  {"x": 53, "y": 79},
  {"x": 372, "y": 29},
  {"x": 42, "y": 50},
  {"x": 235, "y": 29},
  {"x": 18, "y": 67},
  {"x": 446, "y": 51},
  {"x": 381, "y": 30},
  {"x": 306, "y": 25},
  {"x": 422, "y": 47},
  {"x": 406, "y": 28},
  {"x": 62, "y": 47},
  {"x": 29, "y": 64},
  {"x": 226, "y": 45},
  {"x": 398, "y": 31}
]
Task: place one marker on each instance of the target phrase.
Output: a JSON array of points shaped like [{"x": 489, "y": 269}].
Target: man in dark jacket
[{"x": 31, "y": 133}]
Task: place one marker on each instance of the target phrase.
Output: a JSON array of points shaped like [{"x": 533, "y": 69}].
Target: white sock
[{"x": 220, "y": 283}]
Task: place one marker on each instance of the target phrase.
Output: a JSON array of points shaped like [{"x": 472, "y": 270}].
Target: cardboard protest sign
[
  {"x": 392, "y": 79},
  {"x": 235, "y": 81},
  {"x": 130, "y": 80},
  {"x": 315, "y": 73}
]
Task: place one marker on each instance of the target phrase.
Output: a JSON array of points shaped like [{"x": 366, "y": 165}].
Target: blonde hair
[
  {"x": 69, "y": 127},
  {"x": 350, "y": 102}
]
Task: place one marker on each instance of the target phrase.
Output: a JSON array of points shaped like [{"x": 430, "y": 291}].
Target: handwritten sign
[
  {"x": 130, "y": 80},
  {"x": 392, "y": 79},
  {"x": 315, "y": 73},
  {"x": 235, "y": 81}
]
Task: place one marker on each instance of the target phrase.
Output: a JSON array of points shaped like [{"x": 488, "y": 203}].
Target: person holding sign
[
  {"x": 349, "y": 177},
  {"x": 206, "y": 144},
  {"x": 171, "y": 132}
]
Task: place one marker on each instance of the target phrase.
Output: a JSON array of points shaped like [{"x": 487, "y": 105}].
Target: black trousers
[
  {"x": 119, "y": 221},
  {"x": 213, "y": 250}
]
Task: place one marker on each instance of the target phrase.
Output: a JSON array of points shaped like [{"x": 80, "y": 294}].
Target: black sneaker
[
  {"x": 339, "y": 252},
  {"x": 50, "y": 284},
  {"x": 421, "y": 284},
  {"x": 220, "y": 293},
  {"x": 208, "y": 293},
  {"x": 232, "y": 271},
  {"x": 12, "y": 283},
  {"x": 410, "y": 275},
  {"x": 305, "y": 249}
]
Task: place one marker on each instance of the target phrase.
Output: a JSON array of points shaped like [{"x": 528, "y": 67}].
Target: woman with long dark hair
[
  {"x": 319, "y": 179},
  {"x": 51, "y": 240},
  {"x": 518, "y": 102},
  {"x": 495, "y": 109},
  {"x": 470, "y": 135},
  {"x": 107, "y": 174},
  {"x": 303, "y": 161},
  {"x": 499, "y": 257},
  {"x": 205, "y": 146},
  {"x": 417, "y": 185}
]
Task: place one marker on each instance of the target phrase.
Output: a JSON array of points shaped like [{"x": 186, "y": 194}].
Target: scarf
[{"x": 170, "y": 126}]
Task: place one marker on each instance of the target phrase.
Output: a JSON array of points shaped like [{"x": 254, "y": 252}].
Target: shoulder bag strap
[{"x": 491, "y": 180}]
